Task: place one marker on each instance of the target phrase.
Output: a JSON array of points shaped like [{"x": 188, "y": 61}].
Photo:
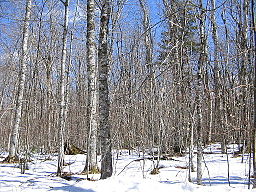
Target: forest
[{"x": 163, "y": 78}]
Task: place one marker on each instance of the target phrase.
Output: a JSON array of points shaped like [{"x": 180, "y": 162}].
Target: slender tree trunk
[
  {"x": 211, "y": 119},
  {"x": 14, "y": 140},
  {"x": 91, "y": 161},
  {"x": 215, "y": 72},
  {"x": 104, "y": 103},
  {"x": 62, "y": 91},
  {"x": 254, "y": 124},
  {"x": 148, "y": 43},
  {"x": 201, "y": 62},
  {"x": 49, "y": 104},
  {"x": 191, "y": 148},
  {"x": 199, "y": 143}
]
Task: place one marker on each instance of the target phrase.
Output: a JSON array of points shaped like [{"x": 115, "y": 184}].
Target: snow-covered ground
[{"x": 128, "y": 175}]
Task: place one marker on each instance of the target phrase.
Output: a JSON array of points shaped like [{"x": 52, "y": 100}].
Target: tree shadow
[
  {"x": 71, "y": 188},
  {"x": 8, "y": 181},
  {"x": 220, "y": 180},
  {"x": 170, "y": 182},
  {"x": 10, "y": 165}
]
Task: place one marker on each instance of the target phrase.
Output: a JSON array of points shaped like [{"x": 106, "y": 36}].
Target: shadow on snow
[
  {"x": 218, "y": 180},
  {"x": 71, "y": 188}
]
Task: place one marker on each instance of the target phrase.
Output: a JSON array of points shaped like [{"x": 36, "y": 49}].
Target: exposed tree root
[
  {"x": 155, "y": 171},
  {"x": 94, "y": 170}
]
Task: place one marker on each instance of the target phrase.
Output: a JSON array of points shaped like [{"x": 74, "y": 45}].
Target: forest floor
[{"x": 128, "y": 174}]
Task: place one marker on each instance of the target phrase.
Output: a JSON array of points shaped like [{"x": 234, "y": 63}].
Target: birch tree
[
  {"x": 201, "y": 62},
  {"x": 216, "y": 68},
  {"x": 14, "y": 140},
  {"x": 62, "y": 91},
  {"x": 91, "y": 161},
  {"x": 148, "y": 43},
  {"x": 104, "y": 103}
]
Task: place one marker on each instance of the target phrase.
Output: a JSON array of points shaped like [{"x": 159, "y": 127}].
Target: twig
[{"x": 128, "y": 165}]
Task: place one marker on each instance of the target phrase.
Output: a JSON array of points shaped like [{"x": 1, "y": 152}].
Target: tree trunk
[
  {"x": 62, "y": 91},
  {"x": 191, "y": 148},
  {"x": 148, "y": 43},
  {"x": 254, "y": 123},
  {"x": 104, "y": 104},
  {"x": 199, "y": 93},
  {"x": 91, "y": 161},
  {"x": 14, "y": 140},
  {"x": 215, "y": 71}
]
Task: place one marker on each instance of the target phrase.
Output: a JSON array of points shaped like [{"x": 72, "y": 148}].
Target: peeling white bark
[
  {"x": 62, "y": 91},
  {"x": 92, "y": 89},
  {"x": 22, "y": 78}
]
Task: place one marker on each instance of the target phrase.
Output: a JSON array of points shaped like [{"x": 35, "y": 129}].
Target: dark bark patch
[
  {"x": 155, "y": 171},
  {"x": 9, "y": 159},
  {"x": 70, "y": 149}
]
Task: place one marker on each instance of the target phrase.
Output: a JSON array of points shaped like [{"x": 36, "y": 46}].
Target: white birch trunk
[
  {"x": 62, "y": 92},
  {"x": 216, "y": 68},
  {"x": 91, "y": 161},
  {"x": 22, "y": 78},
  {"x": 148, "y": 60},
  {"x": 201, "y": 63}
]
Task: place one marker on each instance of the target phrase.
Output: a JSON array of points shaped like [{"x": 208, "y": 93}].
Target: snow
[{"x": 128, "y": 174}]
